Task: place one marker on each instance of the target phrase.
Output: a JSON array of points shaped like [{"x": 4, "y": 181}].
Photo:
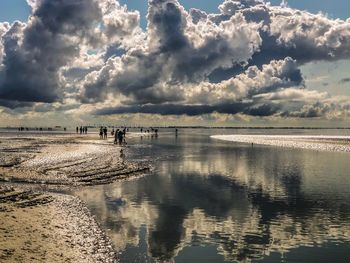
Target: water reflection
[{"x": 245, "y": 202}]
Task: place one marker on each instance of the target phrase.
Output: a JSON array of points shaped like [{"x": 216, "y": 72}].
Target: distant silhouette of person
[
  {"x": 176, "y": 132},
  {"x": 120, "y": 137},
  {"x": 105, "y": 130},
  {"x": 77, "y": 129},
  {"x": 101, "y": 132},
  {"x": 112, "y": 132},
  {"x": 81, "y": 129},
  {"x": 116, "y": 134}
]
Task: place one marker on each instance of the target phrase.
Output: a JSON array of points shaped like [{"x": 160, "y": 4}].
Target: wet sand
[
  {"x": 39, "y": 225},
  {"x": 63, "y": 160}
]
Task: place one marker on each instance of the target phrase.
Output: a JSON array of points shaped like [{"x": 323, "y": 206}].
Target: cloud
[
  {"x": 177, "y": 52},
  {"x": 194, "y": 110},
  {"x": 251, "y": 49},
  {"x": 54, "y": 36},
  {"x": 13, "y": 104},
  {"x": 244, "y": 59},
  {"x": 237, "y": 95},
  {"x": 36, "y": 51},
  {"x": 4, "y": 27},
  {"x": 344, "y": 80}
]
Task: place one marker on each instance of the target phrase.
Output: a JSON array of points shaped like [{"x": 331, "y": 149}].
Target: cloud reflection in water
[{"x": 248, "y": 202}]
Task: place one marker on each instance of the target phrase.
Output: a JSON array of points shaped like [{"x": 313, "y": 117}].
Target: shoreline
[
  {"x": 64, "y": 160},
  {"x": 34, "y": 221},
  {"x": 71, "y": 131}
]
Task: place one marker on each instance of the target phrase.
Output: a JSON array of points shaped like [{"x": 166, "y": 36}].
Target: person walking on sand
[
  {"x": 101, "y": 132},
  {"x": 81, "y": 129},
  {"x": 120, "y": 137},
  {"x": 105, "y": 130},
  {"x": 77, "y": 129},
  {"x": 116, "y": 136}
]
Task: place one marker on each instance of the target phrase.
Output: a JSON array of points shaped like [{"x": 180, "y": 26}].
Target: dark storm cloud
[
  {"x": 57, "y": 31},
  {"x": 194, "y": 110},
  {"x": 344, "y": 80},
  {"x": 12, "y": 104},
  {"x": 35, "y": 52},
  {"x": 312, "y": 111},
  {"x": 168, "y": 109}
]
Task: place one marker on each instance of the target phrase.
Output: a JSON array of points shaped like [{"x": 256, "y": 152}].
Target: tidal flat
[
  {"x": 176, "y": 197},
  {"x": 41, "y": 221}
]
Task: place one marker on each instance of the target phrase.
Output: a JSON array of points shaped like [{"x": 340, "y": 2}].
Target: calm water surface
[{"x": 216, "y": 201}]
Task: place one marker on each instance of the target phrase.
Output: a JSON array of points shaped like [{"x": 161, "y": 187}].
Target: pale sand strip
[{"x": 310, "y": 142}]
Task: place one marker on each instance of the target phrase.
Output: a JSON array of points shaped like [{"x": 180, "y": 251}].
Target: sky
[
  {"x": 19, "y": 10},
  {"x": 170, "y": 62}
]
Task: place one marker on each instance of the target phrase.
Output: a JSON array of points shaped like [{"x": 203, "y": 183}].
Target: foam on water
[{"x": 311, "y": 142}]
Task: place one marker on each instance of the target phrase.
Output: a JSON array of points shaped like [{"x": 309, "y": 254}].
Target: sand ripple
[{"x": 64, "y": 161}]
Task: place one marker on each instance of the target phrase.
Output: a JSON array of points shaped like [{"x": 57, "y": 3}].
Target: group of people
[
  {"x": 40, "y": 129},
  {"x": 103, "y": 133},
  {"x": 82, "y": 130},
  {"x": 119, "y": 135},
  {"x": 148, "y": 131}
]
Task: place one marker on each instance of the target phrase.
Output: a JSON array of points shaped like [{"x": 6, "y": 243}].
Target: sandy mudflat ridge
[
  {"x": 309, "y": 142},
  {"x": 41, "y": 226}
]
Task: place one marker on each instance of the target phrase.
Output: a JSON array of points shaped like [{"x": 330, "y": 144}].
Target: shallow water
[{"x": 215, "y": 201}]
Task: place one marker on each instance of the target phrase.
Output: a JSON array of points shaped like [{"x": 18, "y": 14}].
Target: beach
[
  {"x": 47, "y": 227},
  {"x": 41, "y": 221}
]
